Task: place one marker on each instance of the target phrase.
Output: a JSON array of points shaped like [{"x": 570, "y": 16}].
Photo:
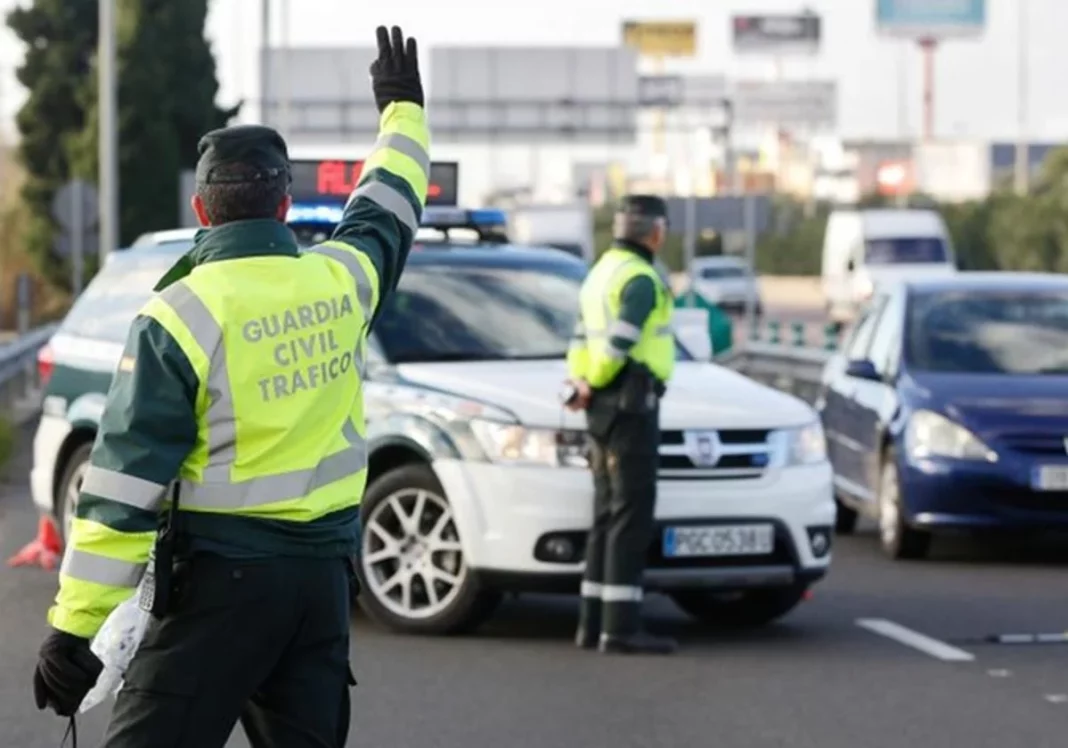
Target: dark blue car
[{"x": 947, "y": 409}]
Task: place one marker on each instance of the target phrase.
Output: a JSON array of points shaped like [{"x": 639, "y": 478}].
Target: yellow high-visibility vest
[
  {"x": 591, "y": 355},
  {"x": 280, "y": 408}
]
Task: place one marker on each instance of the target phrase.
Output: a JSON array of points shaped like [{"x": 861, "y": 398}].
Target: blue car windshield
[
  {"x": 905, "y": 251},
  {"x": 988, "y": 332}
]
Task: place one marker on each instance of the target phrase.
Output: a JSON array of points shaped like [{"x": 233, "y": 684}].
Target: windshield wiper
[
  {"x": 446, "y": 357},
  {"x": 554, "y": 356}
]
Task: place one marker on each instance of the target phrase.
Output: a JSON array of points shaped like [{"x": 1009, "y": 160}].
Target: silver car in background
[{"x": 726, "y": 282}]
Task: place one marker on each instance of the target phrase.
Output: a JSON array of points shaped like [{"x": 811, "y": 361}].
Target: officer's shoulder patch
[{"x": 126, "y": 363}]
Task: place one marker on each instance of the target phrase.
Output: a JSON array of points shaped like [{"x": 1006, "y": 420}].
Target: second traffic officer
[{"x": 621, "y": 356}]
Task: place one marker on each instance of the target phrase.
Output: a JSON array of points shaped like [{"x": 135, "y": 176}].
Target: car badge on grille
[{"x": 703, "y": 448}]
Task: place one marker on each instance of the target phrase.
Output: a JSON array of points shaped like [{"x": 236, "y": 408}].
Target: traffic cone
[{"x": 44, "y": 550}]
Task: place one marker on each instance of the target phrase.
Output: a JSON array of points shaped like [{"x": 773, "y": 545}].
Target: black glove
[
  {"x": 66, "y": 671},
  {"x": 395, "y": 74}
]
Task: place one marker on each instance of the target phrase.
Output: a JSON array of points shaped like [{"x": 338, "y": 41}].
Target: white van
[{"x": 864, "y": 248}]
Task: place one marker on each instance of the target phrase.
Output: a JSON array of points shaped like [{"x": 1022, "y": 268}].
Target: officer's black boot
[
  {"x": 589, "y": 627},
  {"x": 623, "y": 633}
]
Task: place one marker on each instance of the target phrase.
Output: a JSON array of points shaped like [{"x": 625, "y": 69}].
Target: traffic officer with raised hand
[
  {"x": 236, "y": 419},
  {"x": 621, "y": 356}
]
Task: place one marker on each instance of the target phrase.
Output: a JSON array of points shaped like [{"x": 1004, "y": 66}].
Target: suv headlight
[
  {"x": 931, "y": 434},
  {"x": 514, "y": 444},
  {"x": 800, "y": 446}
]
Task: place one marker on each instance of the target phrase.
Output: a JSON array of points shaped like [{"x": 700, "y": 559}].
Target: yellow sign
[{"x": 661, "y": 38}]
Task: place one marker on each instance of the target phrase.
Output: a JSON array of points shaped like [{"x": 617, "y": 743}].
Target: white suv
[
  {"x": 478, "y": 479},
  {"x": 478, "y": 483}
]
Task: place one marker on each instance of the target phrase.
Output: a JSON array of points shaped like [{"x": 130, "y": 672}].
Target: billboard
[
  {"x": 526, "y": 95},
  {"x": 330, "y": 182},
  {"x": 776, "y": 34},
  {"x": 670, "y": 91},
  {"x": 811, "y": 103},
  {"x": 661, "y": 38},
  {"x": 934, "y": 19},
  {"x": 322, "y": 96}
]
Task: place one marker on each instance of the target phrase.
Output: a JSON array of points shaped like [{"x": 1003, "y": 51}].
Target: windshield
[
  {"x": 108, "y": 305},
  {"x": 720, "y": 272},
  {"x": 570, "y": 248},
  {"x": 989, "y": 332},
  {"x": 905, "y": 251},
  {"x": 481, "y": 313}
]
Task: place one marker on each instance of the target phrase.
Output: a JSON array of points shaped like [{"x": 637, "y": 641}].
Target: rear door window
[{"x": 109, "y": 304}]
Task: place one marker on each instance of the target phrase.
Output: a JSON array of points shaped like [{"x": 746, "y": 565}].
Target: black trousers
[
  {"x": 265, "y": 642},
  {"x": 624, "y": 460}
]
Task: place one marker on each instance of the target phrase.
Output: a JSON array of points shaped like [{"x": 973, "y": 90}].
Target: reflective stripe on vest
[
  {"x": 399, "y": 152},
  {"x": 89, "y": 567},
  {"x": 216, "y": 490},
  {"x": 123, "y": 489}
]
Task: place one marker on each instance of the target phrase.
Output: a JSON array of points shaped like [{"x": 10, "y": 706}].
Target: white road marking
[
  {"x": 933, "y": 647},
  {"x": 999, "y": 673},
  {"x": 1057, "y": 698}
]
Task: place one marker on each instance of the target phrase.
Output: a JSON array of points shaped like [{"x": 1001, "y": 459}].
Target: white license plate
[
  {"x": 1051, "y": 478},
  {"x": 719, "y": 540}
]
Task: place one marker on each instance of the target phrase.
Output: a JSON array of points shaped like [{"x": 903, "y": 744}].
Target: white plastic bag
[{"x": 115, "y": 644}]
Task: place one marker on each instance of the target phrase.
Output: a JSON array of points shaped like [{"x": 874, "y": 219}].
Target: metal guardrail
[
  {"x": 19, "y": 384},
  {"x": 792, "y": 369}
]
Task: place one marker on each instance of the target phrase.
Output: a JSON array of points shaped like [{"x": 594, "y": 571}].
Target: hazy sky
[{"x": 976, "y": 79}]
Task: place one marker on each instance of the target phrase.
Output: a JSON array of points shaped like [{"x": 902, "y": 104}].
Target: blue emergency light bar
[
  {"x": 312, "y": 213},
  {"x": 489, "y": 223},
  {"x": 459, "y": 218}
]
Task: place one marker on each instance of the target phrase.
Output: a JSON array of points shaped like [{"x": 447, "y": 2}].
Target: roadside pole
[{"x": 108, "y": 103}]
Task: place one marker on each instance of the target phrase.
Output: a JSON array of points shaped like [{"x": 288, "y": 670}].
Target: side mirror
[
  {"x": 851, "y": 266},
  {"x": 863, "y": 369}
]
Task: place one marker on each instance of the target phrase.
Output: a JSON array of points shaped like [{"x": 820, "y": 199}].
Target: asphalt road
[{"x": 818, "y": 680}]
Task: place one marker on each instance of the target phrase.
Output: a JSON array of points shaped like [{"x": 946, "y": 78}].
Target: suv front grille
[
  {"x": 1036, "y": 444},
  {"x": 740, "y": 454}
]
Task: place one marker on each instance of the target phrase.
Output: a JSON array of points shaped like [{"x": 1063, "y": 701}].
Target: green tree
[
  {"x": 166, "y": 98},
  {"x": 970, "y": 225},
  {"x": 794, "y": 246},
  {"x": 60, "y": 38},
  {"x": 1031, "y": 232}
]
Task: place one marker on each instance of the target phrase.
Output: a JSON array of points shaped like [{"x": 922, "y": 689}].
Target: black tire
[
  {"x": 76, "y": 463},
  {"x": 845, "y": 521},
  {"x": 898, "y": 540},
  {"x": 746, "y": 609},
  {"x": 471, "y": 604}
]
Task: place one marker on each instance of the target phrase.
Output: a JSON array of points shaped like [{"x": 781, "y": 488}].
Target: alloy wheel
[
  {"x": 889, "y": 507},
  {"x": 411, "y": 559}
]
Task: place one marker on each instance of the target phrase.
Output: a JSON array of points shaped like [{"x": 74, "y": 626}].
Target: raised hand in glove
[
  {"x": 66, "y": 671},
  {"x": 395, "y": 74}
]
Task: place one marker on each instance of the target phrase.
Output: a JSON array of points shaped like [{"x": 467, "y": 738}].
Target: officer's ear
[
  {"x": 283, "y": 208},
  {"x": 198, "y": 208},
  {"x": 658, "y": 235}
]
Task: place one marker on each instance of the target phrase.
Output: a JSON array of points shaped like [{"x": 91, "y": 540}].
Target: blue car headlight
[{"x": 931, "y": 434}]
